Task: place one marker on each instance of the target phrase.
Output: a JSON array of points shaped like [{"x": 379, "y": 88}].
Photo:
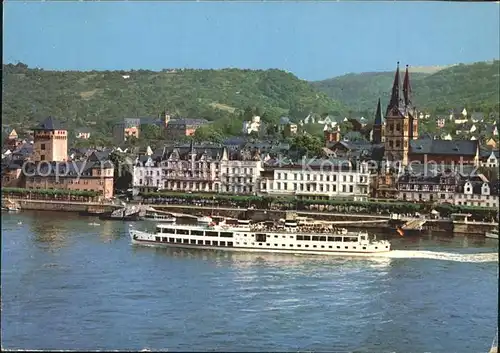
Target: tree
[
  {"x": 123, "y": 165},
  {"x": 207, "y": 133},
  {"x": 307, "y": 145},
  {"x": 150, "y": 132}
]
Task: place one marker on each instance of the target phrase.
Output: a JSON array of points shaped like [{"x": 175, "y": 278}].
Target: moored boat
[
  {"x": 158, "y": 217},
  {"x": 493, "y": 234},
  {"x": 278, "y": 238}
]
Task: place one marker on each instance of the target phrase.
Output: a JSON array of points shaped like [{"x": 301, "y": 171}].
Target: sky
[{"x": 313, "y": 40}]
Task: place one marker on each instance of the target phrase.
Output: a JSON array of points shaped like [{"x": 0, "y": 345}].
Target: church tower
[
  {"x": 401, "y": 121},
  {"x": 378, "y": 125}
]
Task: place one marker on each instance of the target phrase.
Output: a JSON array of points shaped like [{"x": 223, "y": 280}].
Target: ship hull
[{"x": 251, "y": 249}]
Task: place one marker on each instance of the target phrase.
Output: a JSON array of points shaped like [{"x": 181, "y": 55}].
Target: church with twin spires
[{"x": 399, "y": 126}]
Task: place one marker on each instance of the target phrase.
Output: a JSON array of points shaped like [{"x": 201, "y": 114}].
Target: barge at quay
[{"x": 286, "y": 237}]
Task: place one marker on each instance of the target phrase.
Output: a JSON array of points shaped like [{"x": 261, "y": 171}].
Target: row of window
[
  {"x": 230, "y": 243},
  {"x": 320, "y": 177},
  {"x": 194, "y": 241},
  {"x": 313, "y": 188},
  {"x": 206, "y": 233}
]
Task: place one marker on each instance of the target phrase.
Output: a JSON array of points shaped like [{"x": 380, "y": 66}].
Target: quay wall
[
  {"x": 64, "y": 206},
  {"x": 458, "y": 228}
]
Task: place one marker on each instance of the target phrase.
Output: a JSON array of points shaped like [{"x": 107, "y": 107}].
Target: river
[{"x": 66, "y": 284}]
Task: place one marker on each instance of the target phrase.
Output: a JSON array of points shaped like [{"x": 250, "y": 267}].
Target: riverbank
[{"x": 366, "y": 221}]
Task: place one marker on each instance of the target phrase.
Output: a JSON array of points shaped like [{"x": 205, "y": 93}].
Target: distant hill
[
  {"x": 101, "y": 98},
  {"x": 475, "y": 86}
]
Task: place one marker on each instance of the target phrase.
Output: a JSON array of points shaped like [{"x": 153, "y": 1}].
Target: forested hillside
[
  {"x": 100, "y": 98},
  {"x": 475, "y": 86}
]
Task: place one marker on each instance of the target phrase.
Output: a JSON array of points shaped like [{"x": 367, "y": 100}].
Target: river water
[{"x": 66, "y": 284}]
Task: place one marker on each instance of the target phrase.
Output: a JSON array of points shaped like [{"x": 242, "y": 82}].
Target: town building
[
  {"x": 462, "y": 187},
  {"x": 178, "y": 128},
  {"x": 45, "y": 164},
  {"x": 198, "y": 168},
  {"x": 92, "y": 174},
  {"x": 50, "y": 142},
  {"x": 83, "y": 133},
  {"x": 401, "y": 124},
  {"x": 319, "y": 178},
  {"x": 129, "y": 127}
]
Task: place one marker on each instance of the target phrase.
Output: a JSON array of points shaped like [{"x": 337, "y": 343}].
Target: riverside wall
[
  {"x": 63, "y": 206},
  {"x": 355, "y": 220}
]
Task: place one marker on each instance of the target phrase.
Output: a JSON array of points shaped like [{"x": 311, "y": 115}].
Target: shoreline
[{"x": 364, "y": 221}]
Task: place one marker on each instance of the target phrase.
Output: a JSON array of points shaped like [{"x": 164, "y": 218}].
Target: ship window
[
  {"x": 229, "y": 243},
  {"x": 222, "y": 243},
  {"x": 178, "y": 240},
  {"x": 275, "y": 244},
  {"x": 306, "y": 246},
  {"x": 183, "y": 231},
  {"x": 338, "y": 238},
  {"x": 200, "y": 242},
  {"x": 244, "y": 235},
  {"x": 260, "y": 243},
  {"x": 329, "y": 246},
  {"x": 226, "y": 234},
  {"x": 376, "y": 247},
  {"x": 259, "y": 237},
  {"x": 283, "y": 244},
  {"x": 253, "y": 243},
  {"x": 196, "y": 232},
  {"x": 338, "y": 247},
  {"x": 169, "y": 230},
  {"x": 157, "y": 238},
  {"x": 186, "y": 241},
  {"x": 354, "y": 247},
  {"x": 364, "y": 247},
  {"x": 307, "y": 237},
  {"x": 164, "y": 240},
  {"x": 291, "y": 245},
  {"x": 322, "y": 238},
  {"x": 314, "y": 246},
  {"x": 215, "y": 243},
  {"x": 158, "y": 230},
  {"x": 347, "y": 247},
  {"x": 315, "y": 238},
  {"x": 300, "y": 237},
  {"x": 171, "y": 240},
  {"x": 268, "y": 244},
  {"x": 207, "y": 242},
  {"x": 275, "y": 236},
  {"x": 211, "y": 234},
  {"x": 291, "y": 236},
  {"x": 284, "y": 236},
  {"x": 322, "y": 246},
  {"x": 298, "y": 245},
  {"x": 193, "y": 241},
  {"x": 244, "y": 243}
]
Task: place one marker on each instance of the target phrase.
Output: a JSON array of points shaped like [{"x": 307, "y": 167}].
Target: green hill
[
  {"x": 101, "y": 98},
  {"x": 475, "y": 86}
]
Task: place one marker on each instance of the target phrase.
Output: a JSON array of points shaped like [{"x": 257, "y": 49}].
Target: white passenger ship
[{"x": 284, "y": 238}]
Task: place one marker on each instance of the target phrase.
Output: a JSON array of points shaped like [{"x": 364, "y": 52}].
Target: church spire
[
  {"x": 379, "y": 119},
  {"x": 407, "y": 87},
  {"x": 394, "y": 102}
]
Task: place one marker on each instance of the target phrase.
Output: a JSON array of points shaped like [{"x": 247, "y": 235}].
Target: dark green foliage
[
  {"x": 48, "y": 192},
  {"x": 97, "y": 99},
  {"x": 474, "y": 86}
]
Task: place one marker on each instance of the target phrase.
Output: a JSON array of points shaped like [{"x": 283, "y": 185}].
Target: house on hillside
[{"x": 82, "y": 133}]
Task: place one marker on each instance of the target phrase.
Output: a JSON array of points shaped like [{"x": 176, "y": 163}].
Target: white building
[
  {"x": 319, "y": 178},
  {"x": 252, "y": 125},
  {"x": 478, "y": 194}
]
